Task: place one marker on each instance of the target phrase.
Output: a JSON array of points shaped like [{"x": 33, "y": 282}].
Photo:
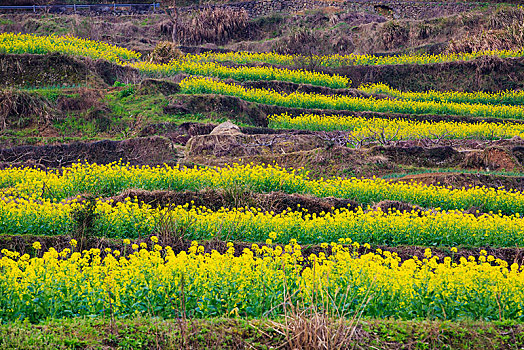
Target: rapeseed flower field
[
  {"x": 244, "y": 57},
  {"x": 398, "y": 128},
  {"x": 149, "y": 278},
  {"x": 153, "y": 280},
  {"x": 509, "y": 97},
  {"x": 111, "y": 179},
  {"x": 357, "y": 104},
  {"x": 29, "y": 43},
  {"x": 131, "y": 219}
]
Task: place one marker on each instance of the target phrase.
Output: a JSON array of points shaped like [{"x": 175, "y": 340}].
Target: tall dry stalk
[{"x": 316, "y": 321}]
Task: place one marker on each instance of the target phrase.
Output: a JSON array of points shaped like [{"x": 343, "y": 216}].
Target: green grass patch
[
  {"x": 417, "y": 170},
  {"x": 227, "y": 333},
  {"x": 5, "y": 22}
]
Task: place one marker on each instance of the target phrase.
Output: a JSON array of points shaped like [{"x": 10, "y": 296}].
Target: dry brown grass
[
  {"x": 503, "y": 31},
  {"x": 216, "y": 25},
  {"x": 322, "y": 324},
  {"x": 508, "y": 39},
  {"x": 20, "y": 109},
  {"x": 85, "y": 27}
]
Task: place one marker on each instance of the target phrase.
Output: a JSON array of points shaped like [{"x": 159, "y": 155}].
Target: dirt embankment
[
  {"x": 322, "y": 153},
  {"x": 236, "y": 198},
  {"x": 138, "y": 151},
  {"x": 484, "y": 74},
  {"x": 56, "y": 69},
  {"x": 326, "y": 154}
]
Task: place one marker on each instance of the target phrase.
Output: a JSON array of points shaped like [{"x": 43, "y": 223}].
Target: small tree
[{"x": 171, "y": 10}]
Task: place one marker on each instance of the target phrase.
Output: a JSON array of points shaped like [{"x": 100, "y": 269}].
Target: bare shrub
[
  {"x": 171, "y": 231},
  {"x": 84, "y": 217},
  {"x": 216, "y": 25}
]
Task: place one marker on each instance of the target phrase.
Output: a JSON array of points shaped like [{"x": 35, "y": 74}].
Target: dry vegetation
[
  {"x": 212, "y": 25},
  {"x": 504, "y": 31},
  {"x": 21, "y": 109}
]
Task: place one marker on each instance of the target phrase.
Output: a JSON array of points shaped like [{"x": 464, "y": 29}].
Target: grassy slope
[{"x": 153, "y": 333}]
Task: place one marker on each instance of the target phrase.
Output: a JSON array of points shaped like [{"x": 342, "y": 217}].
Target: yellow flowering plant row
[
  {"x": 29, "y": 43},
  {"x": 242, "y": 73},
  {"x": 156, "y": 281},
  {"x": 70, "y": 45},
  {"x": 509, "y": 97},
  {"x": 396, "y": 129},
  {"x": 337, "y": 102},
  {"x": 132, "y": 219},
  {"x": 40, "y": 44},
  {"x": 111, "y": 179},
  {"x": 244, "y": 57}
]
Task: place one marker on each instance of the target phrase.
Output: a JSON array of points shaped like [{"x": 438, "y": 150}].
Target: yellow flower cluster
[
  {"x": 509, "y": 97},
  {"x": 242, "y": 73},
  {"x": 351, "y": 59},
  {"x": 110, "y": 179},
  {"x": 258, "y": 282},
  {"x": 311, "y": 100},
  {"x": 396, "y": 129},
  {"x": 35, "y": 44},
  {"x": 132, "y": 219}
]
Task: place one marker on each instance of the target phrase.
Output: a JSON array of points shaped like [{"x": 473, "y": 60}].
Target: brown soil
[
  {"x": 251, "y": 145},
  {"x": 231, "y": 198},
  {"x": 82, "y": 99},
  {"x": 44, "y": 70},
  {"x": 182, "y": 133},
  {"x": 154, "y": 86},
  {"x": 139, "y": 151},
  {"x": 492, "y": 158},
  {"x": 442, "y": 157},
  {"x": 320, "y": 162},
  {"x": 23, "y": 245},
  {"x": 463, "y": 180},
  {"x": 318, "y": 152},
  {"x": 323, "y": 158}
]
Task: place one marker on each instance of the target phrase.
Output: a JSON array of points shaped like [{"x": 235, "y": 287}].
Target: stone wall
[{"x": 396, "y": 9}]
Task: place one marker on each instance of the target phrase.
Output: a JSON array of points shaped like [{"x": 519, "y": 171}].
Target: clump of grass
[{"x": 19, "y": 109}]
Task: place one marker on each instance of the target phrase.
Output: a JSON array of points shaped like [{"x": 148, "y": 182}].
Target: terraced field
[{"x": 264, "y": 203}]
